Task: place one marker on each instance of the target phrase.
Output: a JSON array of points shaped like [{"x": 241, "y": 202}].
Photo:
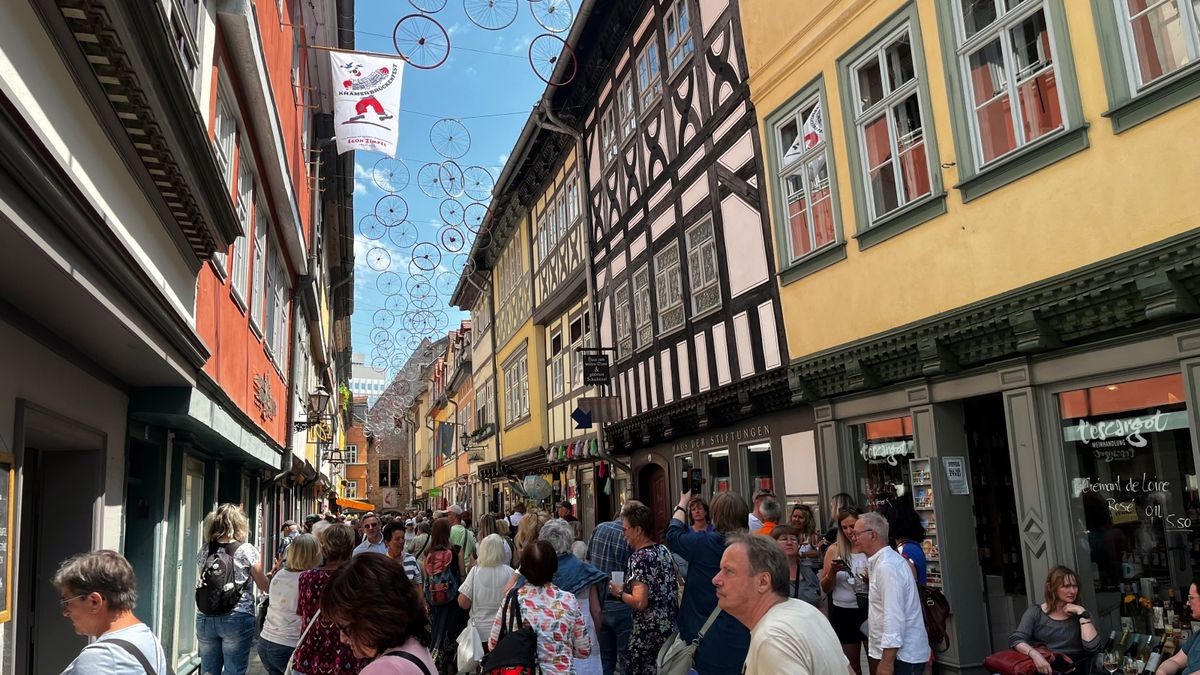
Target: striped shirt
[{"x": 412, "y": 569}]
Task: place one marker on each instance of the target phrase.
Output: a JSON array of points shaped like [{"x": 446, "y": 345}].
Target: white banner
[{"x": 366, "y": 104}]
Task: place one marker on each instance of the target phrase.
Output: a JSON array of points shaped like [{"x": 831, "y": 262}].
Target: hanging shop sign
[
  {"x": 366, "y": 101},
  {"x": 595, "y": 369}
]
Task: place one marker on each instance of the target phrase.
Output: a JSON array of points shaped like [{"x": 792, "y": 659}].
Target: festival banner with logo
[{"x": 366, "y": 104}]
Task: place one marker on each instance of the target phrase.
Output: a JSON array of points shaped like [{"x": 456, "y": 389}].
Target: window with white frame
[
  {"x": 626, "y": 109},
  {"x": 1160, "y": 36},
  {"x": 277, "y": 301},
  {"x": 668, "y": 288},
  {"x": 543, "y": 238},
  {"x": 702, "y": 266},
  {"x": 804, "y": 179},
  {"x": 649, "y": 71},
  {"x": 642, "y": 312},
  {"x": 624, "y": 324},
  {"x": 485, "y": 397},
  {"x": 185, "y": 22},
  {"x": 351, "y": 489},
  {"x": 241, "y": 246},
  {"x": 225, "y": 136},
  {"x": 608, "y": 134},
  {"x": 678, "y": 28},
  {"x": 350, "y": 454},
  {"x": 556, "y": 364},
  {"x": 1012, "y": 90},
  {"x": 561, "y": 214},
  {"x": 258, "y": 300},
  {"x": 890, "y": 126},
  {"x": 509, "y": 270},
  {"x": 272, "y": 297},
  {"x": 580, "y": 338},
  {"x": 573, "y": 204},
  {"x": 516, "y": 389}
]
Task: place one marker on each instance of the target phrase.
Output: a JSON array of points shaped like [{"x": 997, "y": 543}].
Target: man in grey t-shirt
[{"x": 97, "y": 592}]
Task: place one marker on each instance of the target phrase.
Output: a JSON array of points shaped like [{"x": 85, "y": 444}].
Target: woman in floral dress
[
  {"x": 650, "y": 591},
  {"x": 552, "y": 613},
  {"x": 322, "y": 651}
]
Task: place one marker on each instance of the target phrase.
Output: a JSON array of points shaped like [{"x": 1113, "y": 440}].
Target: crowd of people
[{"x": 727, "y": 585}]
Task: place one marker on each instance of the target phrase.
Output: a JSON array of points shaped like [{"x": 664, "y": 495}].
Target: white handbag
[{"x": 470, "y": 649}]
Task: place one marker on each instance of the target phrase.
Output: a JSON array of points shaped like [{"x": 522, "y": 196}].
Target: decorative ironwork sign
[{"x": 263, "y": 398}]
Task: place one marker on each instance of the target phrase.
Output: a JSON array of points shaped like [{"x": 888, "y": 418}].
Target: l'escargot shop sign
[
  {"x": 1116, "y": 439},
  {"x": 887, "y": 452}
]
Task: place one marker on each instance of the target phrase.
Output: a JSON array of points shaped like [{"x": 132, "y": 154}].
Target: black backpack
[
  {"x": 516, "y": 650},
  {"x": 217, "y": 590}
]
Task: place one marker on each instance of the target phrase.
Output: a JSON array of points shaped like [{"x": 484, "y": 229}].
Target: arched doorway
[{"x": 653, "y": 492}]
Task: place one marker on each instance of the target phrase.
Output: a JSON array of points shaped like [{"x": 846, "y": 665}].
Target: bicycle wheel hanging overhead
[
  {"x": 428, "y": 6},
  {"x": 474, "y": 215},
  {"x": 553, "y": 15},
  {"x": 491, "y": 14},
  {"x": 429, "y": 180},
  {"x": 396, "y": 304},
  {"x": 450, "y": 138},
  {"x": 404, "y": 236},
  {"x": 478, "y": 183},
  {"x": 392, "y": 210},
  {"x": 427, "y": 256},
  {"x": 391, "y": 175},
  {"x": 389, "y": 283},
  {"x": 371, "y": 227},
  {"x": 421, "y": 41},
  {"x": 379, "y": 259},
  {"x": 451, "y": 178},
  {"x": 552, "y": 59},
  {"x": 451, "y": 239},
  {"x": 451, "y": 212}
]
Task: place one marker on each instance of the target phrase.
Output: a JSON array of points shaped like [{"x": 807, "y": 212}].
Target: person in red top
[{"x": 321, "y": 651}]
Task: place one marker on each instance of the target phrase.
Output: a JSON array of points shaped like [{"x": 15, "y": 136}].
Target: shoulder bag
[
  {"x": 135, "y": 653},
  {"x": 677, "y": 655},
  {"x": 1013, "y": 662},
  {"x": 516, "y": 650}
]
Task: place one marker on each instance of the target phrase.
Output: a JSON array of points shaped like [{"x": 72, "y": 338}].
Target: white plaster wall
[
  {"x": 42, "y": 377},
  {"x": 34, "y": 78}
]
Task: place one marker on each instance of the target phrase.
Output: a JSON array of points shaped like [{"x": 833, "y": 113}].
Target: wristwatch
[{"x": 1083, "y": 615}]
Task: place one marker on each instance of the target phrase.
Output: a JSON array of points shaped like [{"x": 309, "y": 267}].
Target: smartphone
[{"x": 692, "y": 481}]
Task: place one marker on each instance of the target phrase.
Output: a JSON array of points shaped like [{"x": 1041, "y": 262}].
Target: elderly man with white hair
[
  {"x": 897, "y": 637},
  {"x": 581, "y": 579}
]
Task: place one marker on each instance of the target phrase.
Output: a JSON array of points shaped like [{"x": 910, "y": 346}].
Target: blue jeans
[
  {"x": 903, "y": 668},
  {"x": 614, "y": 632},
  {"x": 225, "y": 643},
  {"x": 274, "y": 656}
]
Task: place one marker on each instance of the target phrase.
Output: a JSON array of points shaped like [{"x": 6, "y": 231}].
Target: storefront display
[
  {"x": 718, "y": 473},
  {"x": 1134, "y": 499},
  {"x": 884, "y": 448},
  {"x": 923, "y": 500}
]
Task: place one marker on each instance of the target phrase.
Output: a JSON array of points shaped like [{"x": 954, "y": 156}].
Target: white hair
[
  {"x": 559, "y": 534},
  {"x": 579, "y": 550}
]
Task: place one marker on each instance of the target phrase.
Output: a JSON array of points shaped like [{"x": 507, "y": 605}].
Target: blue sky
[{"x": 488, "y": 84}]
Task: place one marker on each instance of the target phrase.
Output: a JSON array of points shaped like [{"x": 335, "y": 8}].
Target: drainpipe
[{"x": 557, "y": 125}]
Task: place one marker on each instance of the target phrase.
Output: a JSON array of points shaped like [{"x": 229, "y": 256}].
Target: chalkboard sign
[{"x": 6, "y": 520}]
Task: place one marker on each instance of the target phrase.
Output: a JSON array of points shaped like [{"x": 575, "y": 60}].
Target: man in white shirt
[
  {"x": 373, "y": 543},
  {"x": 755, "y": 522},
  {"x": 897, "y": 637},
  {"x": 514, "y": 519},
  {"x": 786, "y": 635}
]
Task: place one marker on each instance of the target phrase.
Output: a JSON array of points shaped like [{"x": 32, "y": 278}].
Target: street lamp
[{"x": 318, "y": 401}]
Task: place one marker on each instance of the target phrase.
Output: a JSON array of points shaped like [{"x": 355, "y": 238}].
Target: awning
[{"x": 355, "y": 504}]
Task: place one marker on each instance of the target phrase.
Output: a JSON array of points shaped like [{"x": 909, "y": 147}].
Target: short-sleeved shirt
[
  {"x": 485, "y": 587},
  {"x": 461, "y": 537},
  {"x": 794, "y": 637},
  {"x": 367, "y": 547},
  {"x": 1192, "y": 648},
  {"x": 282, "y": 625},
  {"x": 104, "y": 658},
  {"x": 555, "y": 616},
  {"x": 609, "y": 550},
  {"x": 244, "y": 558},
  {"x": 413, "y": 569}
]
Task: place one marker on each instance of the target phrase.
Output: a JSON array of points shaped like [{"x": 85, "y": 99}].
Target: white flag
[
  {"x": 366, "y": 105},
  {"x": 812, "y": 132}
]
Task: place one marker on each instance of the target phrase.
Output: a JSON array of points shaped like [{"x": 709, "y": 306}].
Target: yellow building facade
[{"x": 985, "y": 251}]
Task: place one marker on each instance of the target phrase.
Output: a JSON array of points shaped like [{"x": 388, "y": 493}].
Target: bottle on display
[
  {"x": 1169, "y": 618},
  {"x": 1131, "y": 652},
  {"x": 1155, "y": 657},
  {"x": 1108, "y": 644},
  {"x": 1144, "y": 653},
  {"x": 1157, "y": 615}
]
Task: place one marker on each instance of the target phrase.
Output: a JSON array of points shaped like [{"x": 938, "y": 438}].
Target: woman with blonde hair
[
  {"x": 1059, "y": 624},
  {"x": 527, "y": 532},
  {"x": 321, "y": 651},
  {"x": 841, "y": 582},
  {"x": 225, "y": 635},
  {"x": 282, "y": 628}
]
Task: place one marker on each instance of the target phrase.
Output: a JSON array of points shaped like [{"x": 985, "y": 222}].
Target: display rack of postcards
[{"x": 921, "y": 472}]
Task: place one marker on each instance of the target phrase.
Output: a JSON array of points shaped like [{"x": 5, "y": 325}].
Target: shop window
[
  {"x": 191, "y": 520},
  {"x": 1134, "y": 497},
  {"x": 718, "y": 474},
  {"x": 757, "y": 460},
  {"x": 884, "y": 448},
  {"x": 683, "y": 468}
]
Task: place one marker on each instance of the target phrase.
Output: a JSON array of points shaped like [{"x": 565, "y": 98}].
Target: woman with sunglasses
[{"x": 381, "y": 615}]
